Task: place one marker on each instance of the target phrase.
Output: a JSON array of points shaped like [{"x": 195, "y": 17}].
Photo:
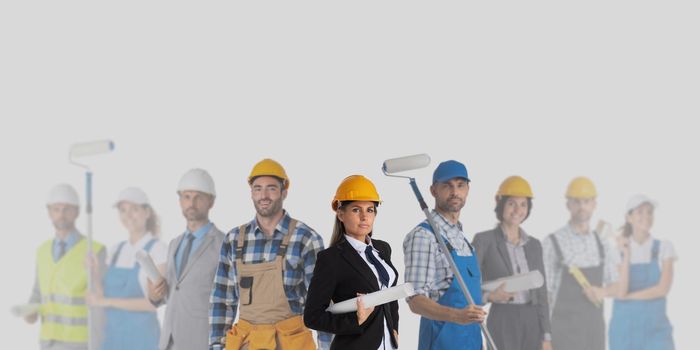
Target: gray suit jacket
[
  {"x": 495, "y": 263},
  {"x": 186, "y": 321}
]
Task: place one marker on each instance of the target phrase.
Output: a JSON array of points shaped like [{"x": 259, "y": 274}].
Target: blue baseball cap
[{"x": 449, "y": 170}]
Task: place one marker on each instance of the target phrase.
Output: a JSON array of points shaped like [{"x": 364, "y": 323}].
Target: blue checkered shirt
[
  {"x": 426, "y": 268},
  {"x": 300, "y": 259}
]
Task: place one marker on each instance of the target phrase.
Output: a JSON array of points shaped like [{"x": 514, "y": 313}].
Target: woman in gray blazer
[{"x": 517, "y": 321}]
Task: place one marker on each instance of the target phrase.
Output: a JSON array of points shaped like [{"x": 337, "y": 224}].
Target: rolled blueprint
[
  {"x": 373, "y": 299},
  {"x": 23, "y": 310},
  {"x": 516, "y": 283},
  {"x": 149, "y": 266}
]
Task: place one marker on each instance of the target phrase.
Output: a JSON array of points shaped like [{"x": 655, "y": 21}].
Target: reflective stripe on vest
[{"x": 62, "y": 285}]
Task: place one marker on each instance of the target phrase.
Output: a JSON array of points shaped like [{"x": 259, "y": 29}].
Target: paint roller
[
  {"x": 418, "y": 161},
  {"x": 80, "y": 150},
  {"x": 91, "y": 148}
]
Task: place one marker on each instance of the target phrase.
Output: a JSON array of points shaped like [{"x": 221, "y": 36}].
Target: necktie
[
  {"x": 61, "y": 249},
  {"x": 383, "y": 275},
  {"x": 186, "y": 253}
]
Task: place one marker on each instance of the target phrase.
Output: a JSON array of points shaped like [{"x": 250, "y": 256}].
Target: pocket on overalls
[
  {"x": 246, "y": 290},
  {"x": 262, "y": 338},
  {"x": 293, "y": 335},
  {"x": 236, "y": 337}
]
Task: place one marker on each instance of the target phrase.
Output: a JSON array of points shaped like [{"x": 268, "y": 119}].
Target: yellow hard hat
[
  {"x": 355, "y": 188},
  {"x": 581, "y": 187},
  {"x": 514, "y": 186},
  {"x": 269, "y": 167}
]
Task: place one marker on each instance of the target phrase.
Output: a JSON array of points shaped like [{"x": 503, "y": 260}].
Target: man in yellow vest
[{"x": 61, "y": 277}]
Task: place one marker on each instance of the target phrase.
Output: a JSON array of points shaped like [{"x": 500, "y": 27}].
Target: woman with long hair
[{"x": 354, "y": 264}]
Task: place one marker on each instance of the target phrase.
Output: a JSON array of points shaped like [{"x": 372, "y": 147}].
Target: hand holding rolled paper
[
  {"x": 149, "y": 266},
  {"x": 24, "y": 310},
  {"x": 516, "y": 283},
  {"x": 373, "y": 299}
]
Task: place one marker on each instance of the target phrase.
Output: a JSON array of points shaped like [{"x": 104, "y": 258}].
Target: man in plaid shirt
[{"x": 265, "y": 268}]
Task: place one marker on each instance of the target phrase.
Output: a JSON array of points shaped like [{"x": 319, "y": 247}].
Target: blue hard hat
[{"x": 449, "y": 170}]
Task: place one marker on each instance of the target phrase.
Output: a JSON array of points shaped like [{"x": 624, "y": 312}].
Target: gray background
[{"x": 546, "y": 90}]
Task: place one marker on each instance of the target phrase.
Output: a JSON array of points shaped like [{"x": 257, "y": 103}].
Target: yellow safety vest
[{"x": 63, "y": 285}]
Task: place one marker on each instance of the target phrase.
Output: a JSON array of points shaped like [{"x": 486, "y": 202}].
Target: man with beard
[
  {"x": 192, "y": 259},
  {"x": 446, "y": 319},
  {"x": 577, "y": 311},
  {"x": 265, "y": 268},
  {"x": 61, "y": 278}
]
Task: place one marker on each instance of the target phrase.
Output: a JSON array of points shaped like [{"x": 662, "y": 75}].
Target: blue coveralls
[
  {"x": 133, "y": 330},
  {"x": 441, "y": 335},
  {"x": 642, "y": 324}
]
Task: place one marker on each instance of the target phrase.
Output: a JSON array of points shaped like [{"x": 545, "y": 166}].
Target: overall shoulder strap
[
  {"x": 239, "y": 243},
  {"x": 116, "y": 253},
  {"x": 655, "y": 250},
  {"x": 557, "y": 249},
  {"x": 601, "y": 249}
]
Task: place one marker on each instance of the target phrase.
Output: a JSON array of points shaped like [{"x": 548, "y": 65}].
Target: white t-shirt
[
  {"x": 127, "y": 256},
  {"x": 641, "y": 253}
]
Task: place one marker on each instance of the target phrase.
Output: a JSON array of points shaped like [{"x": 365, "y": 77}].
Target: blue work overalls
[
  {"x": 133, "y": 330},
  {"x": 441, "y": 335},
  {"x": 642, "y": 324}
]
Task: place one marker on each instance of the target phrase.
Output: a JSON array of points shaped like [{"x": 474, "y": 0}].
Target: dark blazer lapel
[
  {"x": 353, "y": 258},
  {"x": 502, "y": 250}
]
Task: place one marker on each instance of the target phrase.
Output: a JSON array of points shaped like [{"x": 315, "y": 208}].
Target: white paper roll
[
  {"x": 149, "y": 266},
  {"x": 23, "y": 310},
  {"x": 516, "y": 283},
  {"x": 373, "y": 299}
]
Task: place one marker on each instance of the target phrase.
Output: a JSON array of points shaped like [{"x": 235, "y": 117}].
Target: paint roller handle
[{"x": 419, "y": 196}]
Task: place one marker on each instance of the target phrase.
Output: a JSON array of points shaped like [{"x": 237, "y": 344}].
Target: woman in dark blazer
[
  {"x": 354, "y": 264},
  {"x": 517, "y": 321}
]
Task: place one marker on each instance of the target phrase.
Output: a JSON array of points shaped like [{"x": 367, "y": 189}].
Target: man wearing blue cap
[{"x": 446, "y": 318}]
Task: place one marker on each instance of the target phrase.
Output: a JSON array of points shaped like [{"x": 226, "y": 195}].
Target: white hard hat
[
  {"x": 63, "y": 193},
  {"x": 637, "y": 200},
  {"x": 133, "y": 195},
  {"x": 197, "y": 180}
]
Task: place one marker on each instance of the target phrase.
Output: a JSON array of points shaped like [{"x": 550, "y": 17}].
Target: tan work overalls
[{"x": 266, "y": 321}]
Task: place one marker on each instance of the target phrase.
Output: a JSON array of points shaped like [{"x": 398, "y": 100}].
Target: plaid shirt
[
  {"x": 427, "y": 269},
  {"x": 580, "y": 250},
  {"x": 300, "y": 259}
]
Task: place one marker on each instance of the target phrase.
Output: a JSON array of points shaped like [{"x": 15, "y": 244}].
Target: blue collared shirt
[
  {"x": 70, "y": 241},
  {"x": 198, "y": 238}
]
